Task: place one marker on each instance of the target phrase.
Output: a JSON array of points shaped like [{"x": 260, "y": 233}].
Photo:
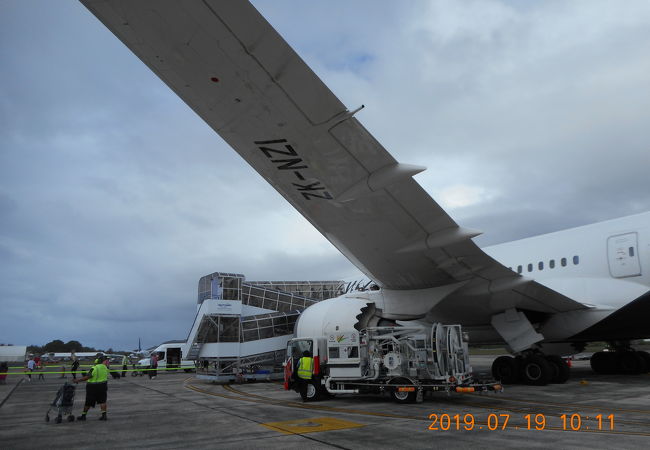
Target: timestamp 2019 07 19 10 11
[{"x": 568, "y": 422}]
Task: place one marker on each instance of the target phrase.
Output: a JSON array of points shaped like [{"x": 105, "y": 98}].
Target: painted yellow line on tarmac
[{"x": 312, "y": 425}]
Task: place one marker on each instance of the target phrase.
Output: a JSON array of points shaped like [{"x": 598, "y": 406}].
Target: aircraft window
[
  {"x": 298, "y": 347},
  {"x": 350, "y": 351},
  {"x": 551, "y": 264},
  {"x": 576, "y": 260},
  {"x": 563, "y": 262},
  {"x": 520, "y": 269},
  {"x": 530, "y": 267},
  {"x": 540, "y": 265},
  {"x": 631, "y": 251}
]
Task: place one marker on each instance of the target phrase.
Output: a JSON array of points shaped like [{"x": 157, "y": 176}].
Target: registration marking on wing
[{"x": 285, "y": 158}]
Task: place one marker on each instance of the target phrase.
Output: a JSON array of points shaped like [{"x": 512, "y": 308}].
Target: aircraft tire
[
  {"x": 630, "y": 362},
  {"x": 536, "y": 371},
  {"x": 604, "y": 363},
  {"x": 646, "y": 357},
  {"x": 506, "y": 370},
  {"x": 560, "y": 369}
]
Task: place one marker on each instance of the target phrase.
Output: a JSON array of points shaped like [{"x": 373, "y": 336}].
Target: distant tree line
[{"x": 58, "y": 346}]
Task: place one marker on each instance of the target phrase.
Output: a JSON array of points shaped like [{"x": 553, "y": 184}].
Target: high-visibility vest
[
  {"x": 99, "y": 375},
  {"x": 305, "y": 367}
]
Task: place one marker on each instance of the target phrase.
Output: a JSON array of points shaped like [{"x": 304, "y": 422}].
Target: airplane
[{"x": 541, "y": 297}]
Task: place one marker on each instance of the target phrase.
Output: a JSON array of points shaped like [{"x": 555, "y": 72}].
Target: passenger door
[{"x": 623, "y": 255}]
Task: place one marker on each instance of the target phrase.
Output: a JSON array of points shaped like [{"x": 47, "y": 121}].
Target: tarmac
[{"x": 175, "y": 410}]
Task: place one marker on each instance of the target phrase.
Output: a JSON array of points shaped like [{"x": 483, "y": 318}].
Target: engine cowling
[{"x": 329, "y": 316}]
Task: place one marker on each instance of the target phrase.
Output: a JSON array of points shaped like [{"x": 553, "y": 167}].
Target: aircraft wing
[{"x": 238, "y": 74}]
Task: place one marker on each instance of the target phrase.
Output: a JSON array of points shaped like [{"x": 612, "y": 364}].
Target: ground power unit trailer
[{"x": 403, "y": 361}]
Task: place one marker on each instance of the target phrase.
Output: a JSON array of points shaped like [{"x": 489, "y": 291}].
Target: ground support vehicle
[{"x": 404, "y": 362}]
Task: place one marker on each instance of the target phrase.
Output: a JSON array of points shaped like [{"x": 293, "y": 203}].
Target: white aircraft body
[{"x": 542, "y": 296}]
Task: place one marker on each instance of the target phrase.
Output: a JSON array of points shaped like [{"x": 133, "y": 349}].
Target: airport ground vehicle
[
  {"x": 170, "y": 356},
  {"x": 404, "y": 361}
]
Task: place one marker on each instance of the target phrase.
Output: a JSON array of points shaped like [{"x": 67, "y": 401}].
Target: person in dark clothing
[
  {"x": 75, "y": 366},
  {"x": 4, "y": 368},
  {"x": 153, "y": 365}
]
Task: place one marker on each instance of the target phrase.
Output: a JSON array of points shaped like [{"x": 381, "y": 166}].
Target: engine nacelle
[{"x": 329, "y": 316}]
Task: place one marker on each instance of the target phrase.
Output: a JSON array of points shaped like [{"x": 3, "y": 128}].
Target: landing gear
[
  {"x": 604, "y": 362},
  {"x": 646, "y": 357},
  {"x": 626, "y": 361},
  {"x": 631, "y": 363},
  {"x": 534, "y": 369},
  {"x": 505, "y": 369},
  {"x": 560, "y": 369}
]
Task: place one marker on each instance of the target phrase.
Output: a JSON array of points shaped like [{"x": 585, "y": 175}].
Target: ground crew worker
[
  {"x": 125, "y": 365},
  {"x": 305, "y": 371},
  {"x": 97, "y": 387}
]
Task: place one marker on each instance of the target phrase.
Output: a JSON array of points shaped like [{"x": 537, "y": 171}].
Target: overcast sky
[{"x": 115, "y": 198}]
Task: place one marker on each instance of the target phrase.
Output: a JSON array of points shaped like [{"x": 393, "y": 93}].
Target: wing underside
[{"x": 236, "y": 72}]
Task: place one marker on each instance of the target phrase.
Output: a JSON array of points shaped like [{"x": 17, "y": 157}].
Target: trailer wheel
[{"x": 403, "y": 396}]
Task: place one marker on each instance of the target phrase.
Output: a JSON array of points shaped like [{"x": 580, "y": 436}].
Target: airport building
[{"x": 241, "y": 328}]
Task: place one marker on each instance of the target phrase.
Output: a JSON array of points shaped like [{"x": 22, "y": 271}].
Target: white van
[{"x": 170, "y": 356}]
